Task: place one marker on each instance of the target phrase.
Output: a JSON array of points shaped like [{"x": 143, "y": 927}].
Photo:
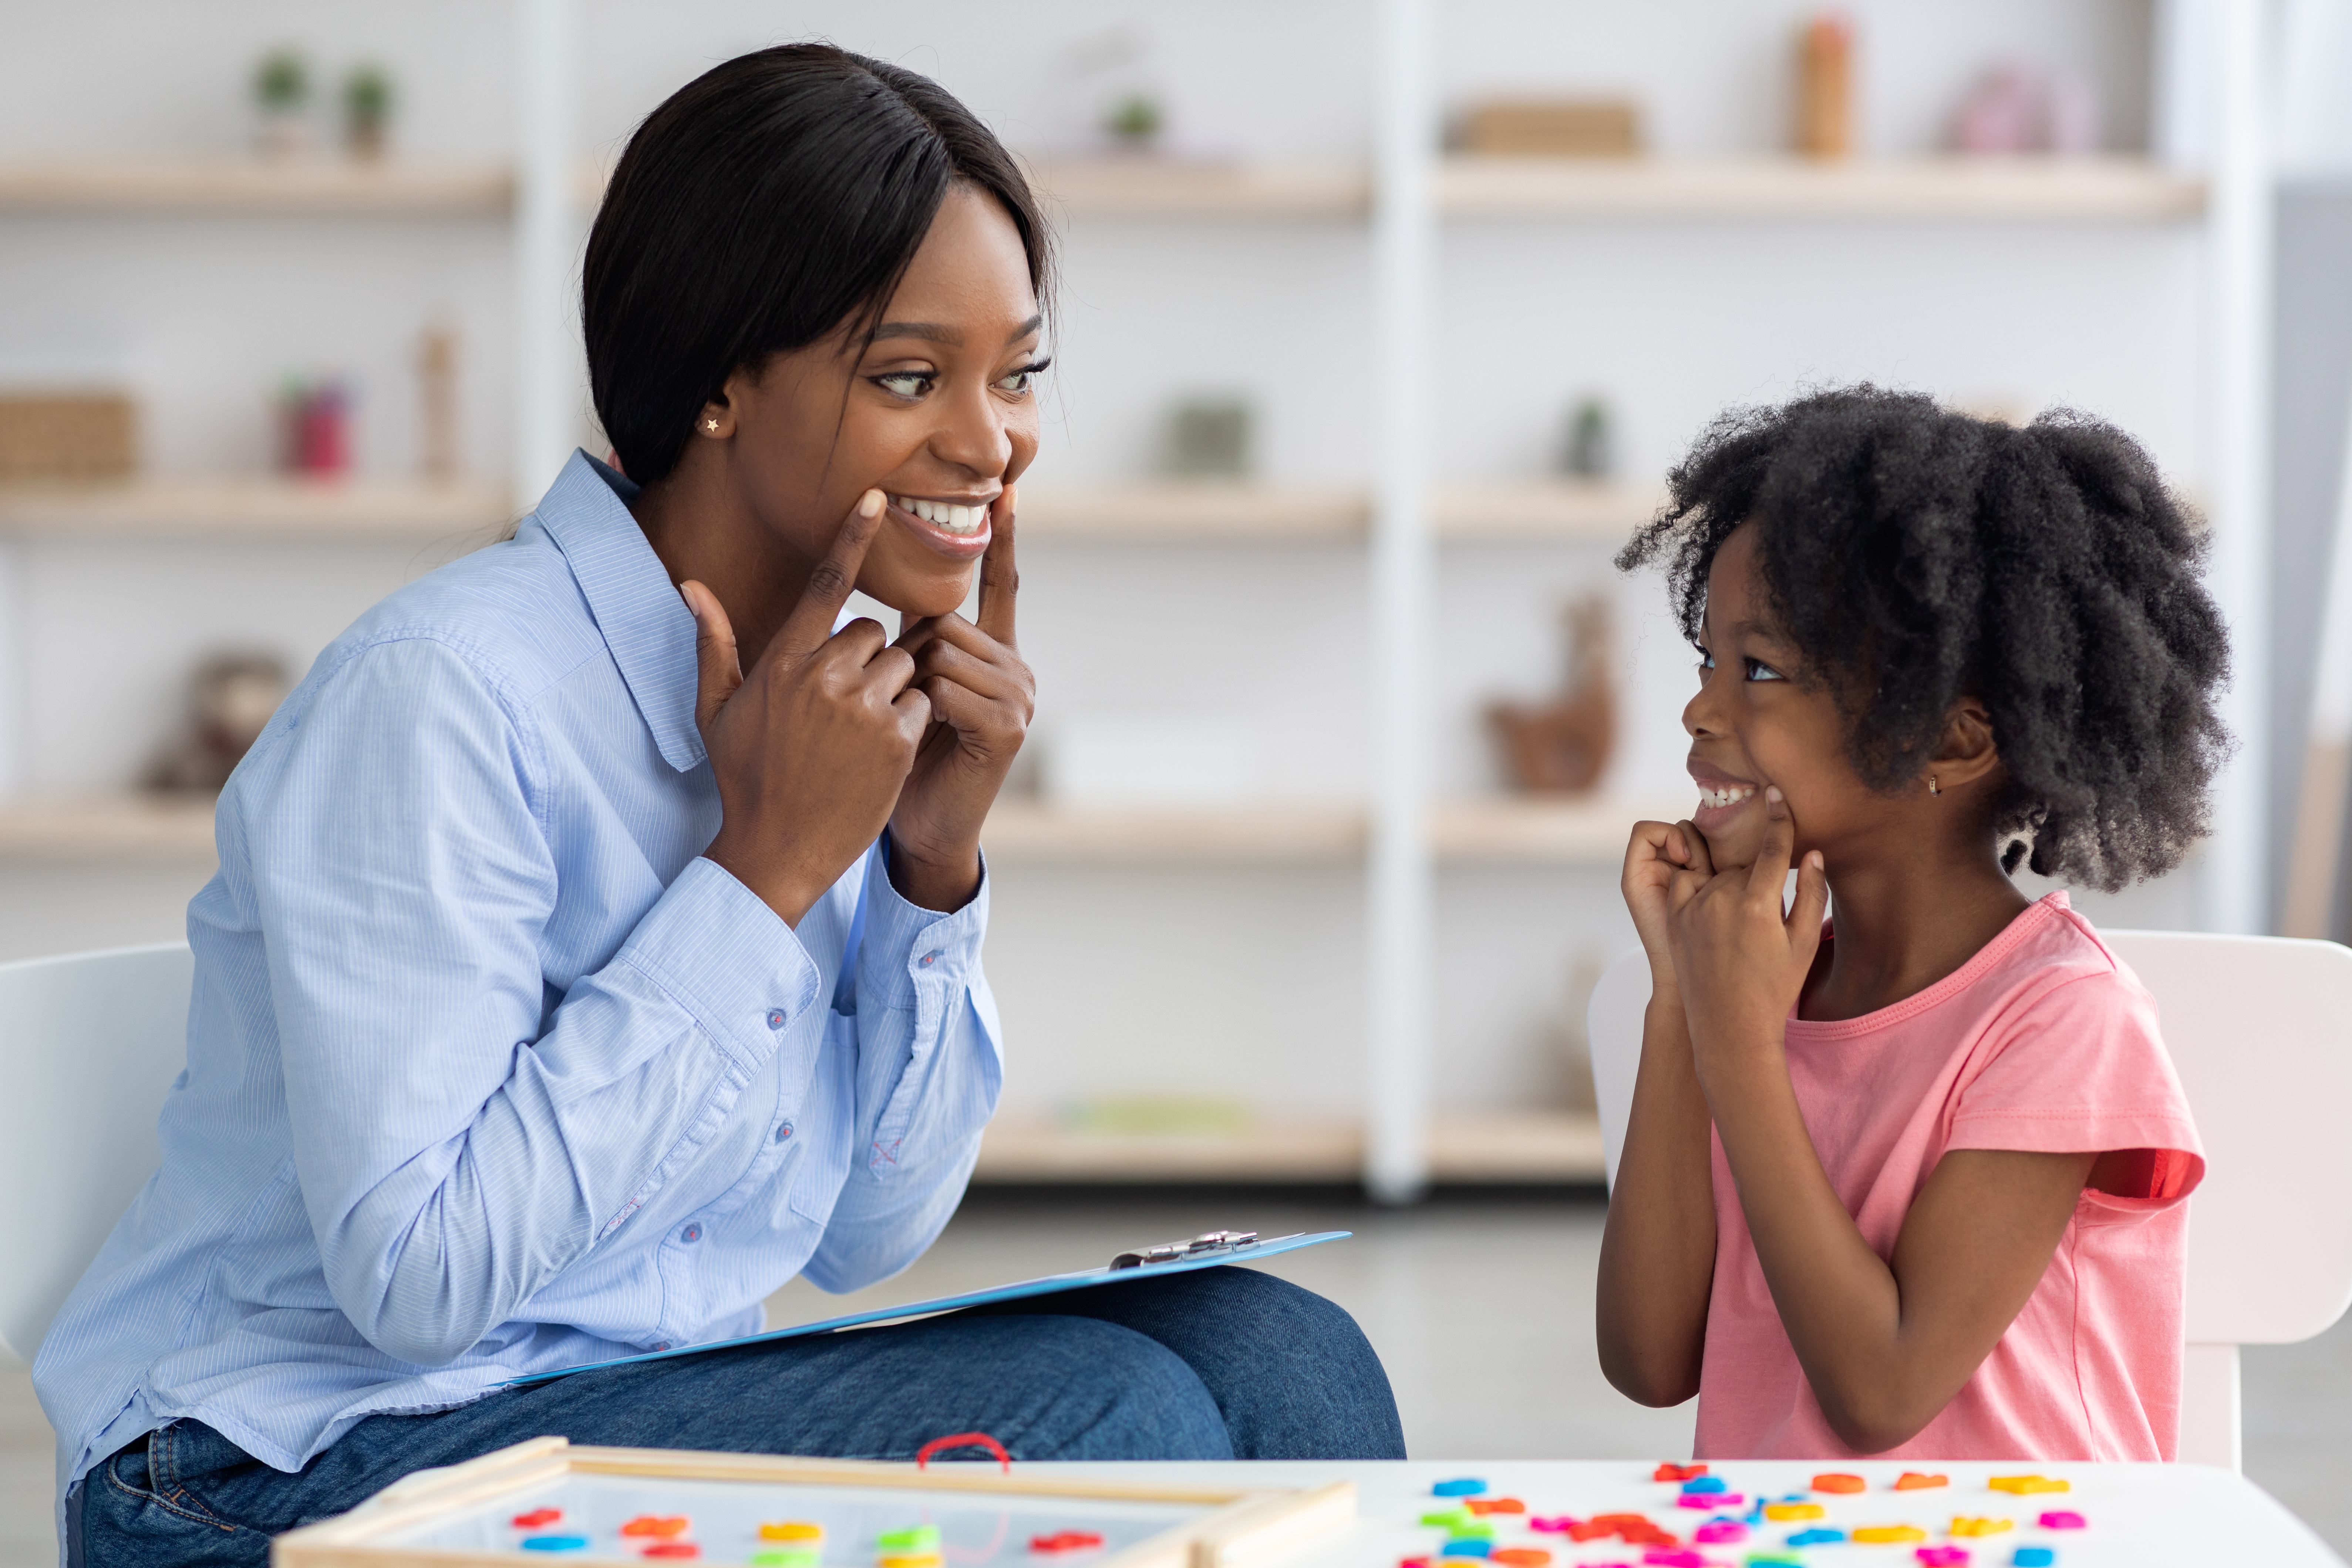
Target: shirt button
[
  {"x": 775, "y": 1018},
  {"x": 691, "y": 1234},
  {"x": 783, "y": 1132},
  {"x": 931, "y": 958},
  {"x": 661, "y": 1344}
]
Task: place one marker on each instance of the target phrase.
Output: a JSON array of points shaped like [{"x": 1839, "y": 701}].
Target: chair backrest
[
  {"x": 90, "y": 1047},
  {"x": 2260, "y": 1029}
]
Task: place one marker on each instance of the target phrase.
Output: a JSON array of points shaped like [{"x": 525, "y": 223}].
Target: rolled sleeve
[{"x": 728, "y": 959}]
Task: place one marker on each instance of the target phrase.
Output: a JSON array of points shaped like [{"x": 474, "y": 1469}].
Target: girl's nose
[{"x": 1699, "y": 714}]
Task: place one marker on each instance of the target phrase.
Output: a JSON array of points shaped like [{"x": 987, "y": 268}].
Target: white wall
[{"x": 1249, "y": 978}]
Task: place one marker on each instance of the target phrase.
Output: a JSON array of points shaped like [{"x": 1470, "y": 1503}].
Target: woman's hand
[
  {"x": 981, "y": 696},
  {"x": 810, "y": 750},
  {"x": 1657, "y": 851},
  {"x": 1739, "y": 961}
]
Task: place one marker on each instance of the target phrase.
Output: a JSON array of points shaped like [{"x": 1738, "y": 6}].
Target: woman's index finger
[
  {"x": 1000, "y": 577},
  {"x": 829, "y": 587}
]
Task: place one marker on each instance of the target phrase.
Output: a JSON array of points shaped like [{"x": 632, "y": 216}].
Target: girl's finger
[{"x": 1811, "y": 904}]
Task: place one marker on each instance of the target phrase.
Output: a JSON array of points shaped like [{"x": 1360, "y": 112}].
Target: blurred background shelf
[
  {"x": 1501, "y": 1147},
  {"x": 2083, "y": 189},
  {"x": 1176, "y": 510},
  {"x": 108, "y": 830},
  {"x": 139, "y": 828},
  {"x": 1179, "y": 511},
  {"x": 1161, "y": 188},
  {"x": 323, "y": 185},
  {"x": 260, "y": 507}
]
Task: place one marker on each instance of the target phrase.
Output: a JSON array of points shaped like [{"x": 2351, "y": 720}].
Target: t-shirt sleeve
[{"x": 2080, "y": 1068}]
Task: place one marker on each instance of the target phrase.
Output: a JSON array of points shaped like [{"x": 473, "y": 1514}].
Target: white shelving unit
[{"x": 1394, "y": 525}]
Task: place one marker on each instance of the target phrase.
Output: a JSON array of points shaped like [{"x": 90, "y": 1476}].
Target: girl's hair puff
[{"x": 1915, "y": 555}]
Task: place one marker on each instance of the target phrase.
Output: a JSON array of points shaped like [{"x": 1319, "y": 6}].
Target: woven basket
[{"x": 67, "y": 436}]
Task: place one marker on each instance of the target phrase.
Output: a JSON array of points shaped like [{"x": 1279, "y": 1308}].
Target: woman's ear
[
  {"x": 717, "y": 420},
  {"x": 1965, "y": 752}
]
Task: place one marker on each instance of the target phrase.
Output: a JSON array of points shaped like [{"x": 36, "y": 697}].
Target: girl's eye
[
  {"x": 1759, "y": 671},
  {"x": 1705, "y": 660},
  {"x": 905, "y": 382}
]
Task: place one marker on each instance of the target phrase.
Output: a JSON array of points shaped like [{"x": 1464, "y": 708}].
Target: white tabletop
[{"x": 2139, "y": 1515}]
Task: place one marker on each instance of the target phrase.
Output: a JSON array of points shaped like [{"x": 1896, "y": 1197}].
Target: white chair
[
  {"x": 2260, "y": 1029},
  {"x": 90, "y": 1045}
]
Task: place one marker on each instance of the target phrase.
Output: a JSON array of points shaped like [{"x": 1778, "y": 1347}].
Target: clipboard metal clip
[{"x": 1176, "y": 1251}]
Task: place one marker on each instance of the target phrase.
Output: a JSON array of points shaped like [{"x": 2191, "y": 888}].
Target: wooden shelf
[
  {"x": 1146, "y": 187},
  {"x": 258, "y": 507},
  {"x": 2079, "y": 189},
  {"x": 1020, "y": 832},
  {"x": 321, "y": 185},
  {"x": 1509, "y": 1146},
  {"x": 1166, "y": 510},
  {"x": 108, "y": 830},
  {"x": 1178, "y": 511},
  {"x": 1543, "y": 511},
  {"x": 1573, "y": 833},
  {"x": 1532, "y": 830}
]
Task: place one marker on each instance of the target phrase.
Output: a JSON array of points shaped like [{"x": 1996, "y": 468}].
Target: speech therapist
[{"x": 597, "y": 943}]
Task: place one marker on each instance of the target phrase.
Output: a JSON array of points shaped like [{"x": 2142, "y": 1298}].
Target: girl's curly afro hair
[{"x": 1915, "y": 556}]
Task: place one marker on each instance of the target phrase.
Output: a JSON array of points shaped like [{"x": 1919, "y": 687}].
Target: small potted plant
[
  {"x": 281, "y": 91},
  {"x": 367, "y": 111}
]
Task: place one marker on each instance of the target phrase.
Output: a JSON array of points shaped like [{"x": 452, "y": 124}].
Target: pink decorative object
[
  {"x": 2001, "y": 114},
  {"x": 1717, "y": 1531},
  {"x": 2062, "y": 1519},
  {"x": 1673, "y": 1557},
  {"x": 1553, "y": 1524},
  {"x": 1711, "y": 1501},
  {"x": 1943, "y": 1556},
  {"x": 2013, "y": 110}
]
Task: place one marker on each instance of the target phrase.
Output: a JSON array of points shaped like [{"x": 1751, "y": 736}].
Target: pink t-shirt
[{"x": 2043, "y": 1041}]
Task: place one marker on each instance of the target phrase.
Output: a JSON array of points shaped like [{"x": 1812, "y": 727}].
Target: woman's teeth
[
  {"x": 1730, "y": 795},
  {"x": 945, "y": 516}
]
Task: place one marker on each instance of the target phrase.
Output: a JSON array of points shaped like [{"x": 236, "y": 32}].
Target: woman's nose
[{"x": 973, "y": 435}]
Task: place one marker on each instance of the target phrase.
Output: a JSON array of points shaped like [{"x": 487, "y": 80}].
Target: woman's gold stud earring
[{"x": 1932, "y": 787}]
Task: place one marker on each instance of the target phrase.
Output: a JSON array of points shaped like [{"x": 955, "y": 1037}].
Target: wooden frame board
[{"x": 1240, "y": 1529}]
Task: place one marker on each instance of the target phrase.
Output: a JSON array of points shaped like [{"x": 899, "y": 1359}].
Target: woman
[{"x": 596, "y": 941}]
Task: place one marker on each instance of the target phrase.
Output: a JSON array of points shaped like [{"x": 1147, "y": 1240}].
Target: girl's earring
[
  {"x": 712, "y": 426},
  {"x": 1932, "y": 787}
]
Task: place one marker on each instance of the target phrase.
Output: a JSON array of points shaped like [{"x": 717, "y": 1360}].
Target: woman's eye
[
  {"x": 905, "y": 382},
  {"x": 1021, "y": 380},
  {"x": 1760, "y": 670}
]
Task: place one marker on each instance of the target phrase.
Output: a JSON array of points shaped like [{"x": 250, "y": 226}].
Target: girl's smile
[{"x": 1721, "y": 797}]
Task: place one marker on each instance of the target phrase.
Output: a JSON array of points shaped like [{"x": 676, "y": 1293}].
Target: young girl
[{"x": 1912, "y": 1181}]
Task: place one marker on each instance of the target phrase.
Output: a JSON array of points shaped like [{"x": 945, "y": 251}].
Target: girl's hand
[
  {"x": 1658, "y": 850},
  {"x": 810, "y": 749},
  {"x": 981, "y": 696},
  {"x": 1740, "y": 961}
]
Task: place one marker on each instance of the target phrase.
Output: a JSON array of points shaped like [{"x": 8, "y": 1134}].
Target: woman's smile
[{"x": 958, "y": 528}]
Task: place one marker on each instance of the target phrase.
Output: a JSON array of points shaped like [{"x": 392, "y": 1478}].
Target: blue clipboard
[{"x": 1145, "y": 1263}]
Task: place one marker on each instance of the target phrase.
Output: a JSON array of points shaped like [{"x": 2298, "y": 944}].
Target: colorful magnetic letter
[
  {"x": 1835, "y": 1482},
  {"x": 1460, "y": 1486},
  {"x": 1912, "y": 1482},
  {"x": 2062, "y": 1519}
]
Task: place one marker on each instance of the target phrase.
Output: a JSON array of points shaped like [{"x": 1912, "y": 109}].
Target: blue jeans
[{"x": 1217, "y": 1364}]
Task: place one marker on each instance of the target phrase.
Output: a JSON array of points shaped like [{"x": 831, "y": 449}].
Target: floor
[{"x": 1481, "y": 1308}]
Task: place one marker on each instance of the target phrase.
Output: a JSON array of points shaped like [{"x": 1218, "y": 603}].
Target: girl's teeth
[{"x": 1730, "y": 796}]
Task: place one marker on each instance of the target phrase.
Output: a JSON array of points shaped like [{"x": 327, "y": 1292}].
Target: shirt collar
[{"x": 644, "y": 622}]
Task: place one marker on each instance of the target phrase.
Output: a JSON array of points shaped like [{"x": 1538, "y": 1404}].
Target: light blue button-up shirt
[{"x": 489, "y": 1073}]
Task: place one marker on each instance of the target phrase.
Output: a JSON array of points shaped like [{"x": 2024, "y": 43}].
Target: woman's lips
[{"x": 958, "y": 530}]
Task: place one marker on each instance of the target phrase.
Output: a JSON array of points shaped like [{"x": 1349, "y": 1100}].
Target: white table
[{"x": 2140, "y": 1516}]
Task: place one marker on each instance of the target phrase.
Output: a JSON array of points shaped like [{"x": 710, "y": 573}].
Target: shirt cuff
[
  {"x": 729, "y": 959},
  {"x": 912, "y": 944}
]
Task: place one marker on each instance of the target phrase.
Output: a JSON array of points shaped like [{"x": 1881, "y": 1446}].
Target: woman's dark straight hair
[{"x": 770, "y": 201}]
